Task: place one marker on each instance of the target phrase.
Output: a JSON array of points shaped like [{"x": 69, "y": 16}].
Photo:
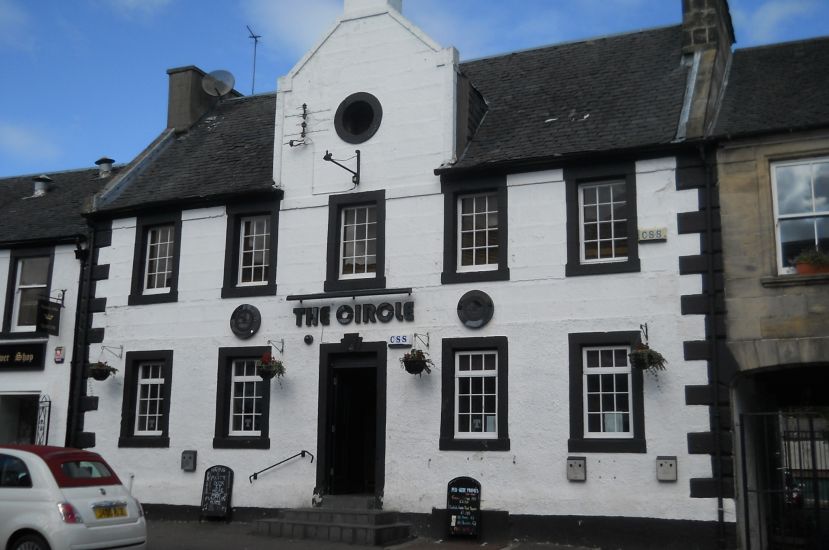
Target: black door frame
[{"x": 351, "y": 343}]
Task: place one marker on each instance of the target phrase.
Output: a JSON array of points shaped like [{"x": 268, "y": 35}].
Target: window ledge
[
  {"x": 601, "y": 445},
  {"x": 775, "y": 281},
  {"x": 147, "y": 441},
  {"x": 452, "y": 444},
  {"x": 241, "y": 442},
  {"x": 25, "y": 337}
]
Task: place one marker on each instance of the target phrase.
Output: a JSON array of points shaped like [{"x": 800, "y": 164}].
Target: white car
[{"x": 55, "y": 498}]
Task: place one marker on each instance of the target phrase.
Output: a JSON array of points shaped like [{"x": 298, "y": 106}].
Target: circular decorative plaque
[
  {"x": 245, "y": 321},
  {"x": 475, "y": 309}
]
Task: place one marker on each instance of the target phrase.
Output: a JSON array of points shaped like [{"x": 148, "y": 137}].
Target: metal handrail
[{"x": 301, "y": 453}]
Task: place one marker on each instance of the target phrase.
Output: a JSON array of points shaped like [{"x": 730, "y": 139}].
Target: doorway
[
  {"x": 351, "y": 443},
  {"x": 18, "y": 418}
]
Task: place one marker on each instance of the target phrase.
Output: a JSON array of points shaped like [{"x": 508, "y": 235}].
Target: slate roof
[
  {"x": 53, "y": 216},
  {"x": 776, "y": 88},
  {"x": 611, "y": 93},
  {"x": 228, "y": 151}
]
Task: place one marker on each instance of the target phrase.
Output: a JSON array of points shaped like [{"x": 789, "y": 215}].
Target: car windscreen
[{"x": 84, "y": 473}]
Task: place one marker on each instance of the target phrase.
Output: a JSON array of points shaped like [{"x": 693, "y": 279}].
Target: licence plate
[{"x": 110, "y": 512}]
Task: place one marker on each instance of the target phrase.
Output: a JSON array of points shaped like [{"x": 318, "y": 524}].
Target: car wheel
[{"x": 30, "y": 542}]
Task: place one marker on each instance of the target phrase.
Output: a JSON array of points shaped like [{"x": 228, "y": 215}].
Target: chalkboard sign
[
  {"x": 463, "y": 506},
  {"x": 215, "y": 496}
]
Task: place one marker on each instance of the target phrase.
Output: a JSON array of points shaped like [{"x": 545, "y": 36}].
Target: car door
[{"x": 22, "y": 499}]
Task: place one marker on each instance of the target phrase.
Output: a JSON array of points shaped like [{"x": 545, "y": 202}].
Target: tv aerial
[{"x": 218, "y": 83}]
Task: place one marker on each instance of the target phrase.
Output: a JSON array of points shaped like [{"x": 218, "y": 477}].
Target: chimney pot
[
  {"x": 104, "y": 166},
  {"x": 43, "y": 184}
]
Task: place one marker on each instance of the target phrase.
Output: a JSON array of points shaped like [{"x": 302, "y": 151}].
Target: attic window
[{"x": 358, "y": 117}]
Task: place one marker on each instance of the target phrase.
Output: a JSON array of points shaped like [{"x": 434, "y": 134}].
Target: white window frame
[
  {"x": 257, "y": 382},
  {"x": 782, "y": 269},
  {"x": 18, "y": 295},
  {"x": 598, "y": 371},
  {"x": 486, "y": 230},
  {"x": 155, "y": 391},
  {"x": 582, "y": 257},
  {"x": 490, "y": 373},
  {"x": 266, "y": 251},
  {"x": 169, "y": 262},
  {"x": 367, "y": 274}
]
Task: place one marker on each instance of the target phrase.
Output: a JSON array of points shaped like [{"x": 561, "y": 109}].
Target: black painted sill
[{"x": 775, "y": 281}]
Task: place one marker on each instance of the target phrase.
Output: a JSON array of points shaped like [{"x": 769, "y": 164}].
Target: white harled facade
[{"x": 517, "y": 435}]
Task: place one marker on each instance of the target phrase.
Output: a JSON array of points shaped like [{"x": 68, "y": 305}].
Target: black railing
[{"x": 301, "y": 453}]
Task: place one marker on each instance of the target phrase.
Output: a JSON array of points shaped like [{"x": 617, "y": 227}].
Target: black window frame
[
  {"x": 452, "y": 191},
  {"x": 221, "y": 439},
  {"x": 336, "y": 204},
  {"x": 448, "y": 441},
  {"x": 574, "y": 178},
  {"x": 132, "y": 360},
  {"x": 142, "y": 226},
  {"x": 17, "y": 254},
  {"x": 578, "y": 443},
  {"x": 235, "y": 213}
]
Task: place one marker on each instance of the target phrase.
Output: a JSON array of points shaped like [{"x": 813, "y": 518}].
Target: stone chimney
[
  {"x": 707, "y": 36},
  {"x": 187, "y": 101},
  {"x": 368, "y": 6}
]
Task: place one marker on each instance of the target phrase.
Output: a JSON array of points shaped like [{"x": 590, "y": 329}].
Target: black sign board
[
  {"x": 215, "y": 496},
  {"x": 22, "y": 356},
  {"x": 48, "y": 316},
  {"x": 463, "y": 506}
]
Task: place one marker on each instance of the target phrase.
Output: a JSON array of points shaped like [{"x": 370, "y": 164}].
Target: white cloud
[
  {"x": 26, "y": 143},
  {"x": 291, "y": 26},
  {"x": 14, "y": 27},
  {"x": 765, "y": 24}
]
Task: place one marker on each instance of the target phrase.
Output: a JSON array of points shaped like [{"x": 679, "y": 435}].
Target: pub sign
[
  {"x": 22, "y": 356},
  {"x": 48, "y": 316}
]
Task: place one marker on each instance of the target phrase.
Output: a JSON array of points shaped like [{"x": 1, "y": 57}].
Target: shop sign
[
  {"x": 48, "y": 316},
  {"x": 400, "y": 341},
  {"x": 358, "y": 313},
  {"x": 653, "y": 234},
  {"x": 22, "y": 356}
]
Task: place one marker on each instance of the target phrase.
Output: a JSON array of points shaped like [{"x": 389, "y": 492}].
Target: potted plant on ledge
[
  {"x": 268, "y": 367},
  {"x": 811, "y": 261},
  {"x": 100, "y": 370},
  {"x": 416, "y": 361},
  {"x": 644, "y": 358}
]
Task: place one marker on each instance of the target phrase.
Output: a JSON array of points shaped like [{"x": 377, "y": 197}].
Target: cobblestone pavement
[{"x": 192, "y": 535}]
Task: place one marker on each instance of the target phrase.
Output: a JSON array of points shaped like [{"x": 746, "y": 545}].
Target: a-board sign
[
  {"x": 463, "y": 506},
  {"x": 218, "y": 488}
]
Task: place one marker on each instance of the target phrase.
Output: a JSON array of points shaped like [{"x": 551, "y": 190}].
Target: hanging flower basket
[
  {"x": 416, "y": 361},
  {"x": 268, "y": 367},
  {"x": 644, "y": 358},
  {"x": 100, "y": 370}
]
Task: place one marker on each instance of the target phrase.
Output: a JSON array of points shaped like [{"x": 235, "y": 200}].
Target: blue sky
[{"x": 86, "y": 78}]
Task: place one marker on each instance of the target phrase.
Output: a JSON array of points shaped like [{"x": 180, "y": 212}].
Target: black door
[{"x": 352, "y": 445}]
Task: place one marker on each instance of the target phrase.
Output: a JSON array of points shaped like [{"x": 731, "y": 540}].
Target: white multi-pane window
[
  {"x": 476, "y": 394},
  {"x": 254, "y": 250},
  {"x": 478, "y": 232},
  {"x": 603, "y": 227},
  {"x": 31, "y": 284},
  {"x": 150, "y": 402},
  {"x": 607, "y": 395},
  {"x": 358, "y": 246},
  {"x": 245, "y": 398},
  {"x": 159, "y": 259},
  {"x": 801, "y": 193}
]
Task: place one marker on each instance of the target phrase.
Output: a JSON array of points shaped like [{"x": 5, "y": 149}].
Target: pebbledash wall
[{"x": 536, "y": 309}]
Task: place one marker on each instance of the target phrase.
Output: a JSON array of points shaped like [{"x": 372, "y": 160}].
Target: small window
[
  {"x": 85, "y": 469},
  {"x": 145, "y": 411},
  {"x": 356, "y": 241},
  {"x": 602, "y": 234},
  {"x": 475, "y": 231},
  {"x": 254, "y": 250},
  {"x": 801, "y": 204},
  {"x": 250, "y": 251},
  {"x": 242, "y": 400},
  {"x": 474, "y": 394},
  {"x": 13, "y": 473},
  {"x": 358, "y": 117},
  {"x": 31, "y": 284},
  {"x": 156, "y": 259},
  {"x": 606, "y": 400}
]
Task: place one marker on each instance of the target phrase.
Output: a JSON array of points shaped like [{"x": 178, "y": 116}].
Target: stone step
[
  {"x": 374, "y": 535},
  {"x": 344, "y": 515},
  {"x": 359, "y": 502}
]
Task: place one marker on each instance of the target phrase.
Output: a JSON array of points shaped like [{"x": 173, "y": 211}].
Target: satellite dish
[{"x": 218, "y": 83}]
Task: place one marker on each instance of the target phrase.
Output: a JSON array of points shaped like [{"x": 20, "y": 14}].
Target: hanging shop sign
[
  {"x": 48, "y": 316},
  {"x": 385, "y": 312},
  {"x": 22, "y": 356}
]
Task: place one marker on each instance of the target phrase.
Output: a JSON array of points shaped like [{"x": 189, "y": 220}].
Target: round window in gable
[{"x": 358, "y": 117}]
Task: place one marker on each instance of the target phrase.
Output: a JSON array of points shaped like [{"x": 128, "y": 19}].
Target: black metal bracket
[
  {"x": 60, "y": 301},
  {"x": 301, "y": 453},
  {"x": 355, "y": 178},
  {"x": 304, "y": 126}
]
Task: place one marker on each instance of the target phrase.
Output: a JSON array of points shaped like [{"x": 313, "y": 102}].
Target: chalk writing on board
[
  {"x": 217, "y": 490},
  {"x": 463, "y": 505}
]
